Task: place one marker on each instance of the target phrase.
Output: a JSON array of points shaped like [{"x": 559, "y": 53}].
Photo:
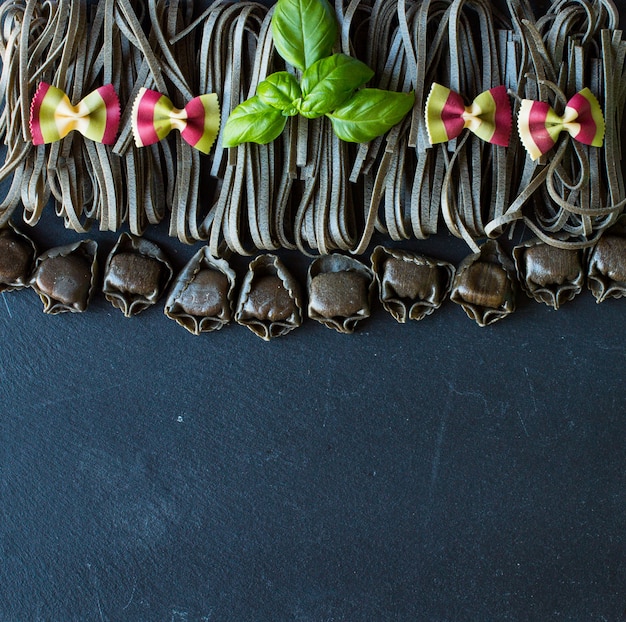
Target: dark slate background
[{"x": 434, "y": 471}]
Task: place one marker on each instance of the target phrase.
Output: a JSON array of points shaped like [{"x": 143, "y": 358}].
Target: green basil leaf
[
  {"x": 253, "y": 122},
  {"x": 370, "y": 113},
  {"x": 329, "y": 82},
  {"x": 280, "y": 90},
  {"x": 303, "y": 30}
]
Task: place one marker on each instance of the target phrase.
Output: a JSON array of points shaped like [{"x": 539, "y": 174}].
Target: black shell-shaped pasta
[
  {"x": 201, "y": 297},
  {"x": 606, "y": 265},
  {"x": 410, "y": 286},
  {"x": 270, "y": 303},
  {"x": 340, "y": 291},
  {"x": 484, "y": 285},
  {"x": 65, "y": 277},
  {"x": 549, "y": 274},
  {"x": 17, "y": 258},
  {"x": 136, "y": 273}
]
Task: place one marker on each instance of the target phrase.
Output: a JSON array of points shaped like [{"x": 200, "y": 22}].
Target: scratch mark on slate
[
  {"x": 74, "y": 396},
  {"x": 532, "y": 390},
  {"x": 6, "y": 304},
  {"x": 100, "y": 608},
  {"x": 445, "y": 414},
  {"x": 132, "y": 595},
  {"x": 96, "y": 586},
  {"x": 474, "y": 394},
  {"x": 328, "y": 394},
  {"x": 519, "y": 414},
  {"x": 438, "y": 445}
]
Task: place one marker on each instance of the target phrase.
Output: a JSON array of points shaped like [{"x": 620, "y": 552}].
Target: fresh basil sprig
[{"x": 304, "y": 33}]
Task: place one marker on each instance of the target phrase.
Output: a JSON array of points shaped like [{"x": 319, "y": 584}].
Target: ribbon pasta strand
[{"x": 570, "y": 192}]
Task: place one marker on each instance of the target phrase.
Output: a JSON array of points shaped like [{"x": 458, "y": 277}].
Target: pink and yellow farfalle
[
  {"x": 154, "y": 117},
  {"x": 488, "y": 116},
  {"x": 52, "y": 115},
  {"x": 539, "y": 125}
]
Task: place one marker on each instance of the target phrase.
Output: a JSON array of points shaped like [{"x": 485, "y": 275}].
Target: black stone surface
[{"x": 433, "y": 471}]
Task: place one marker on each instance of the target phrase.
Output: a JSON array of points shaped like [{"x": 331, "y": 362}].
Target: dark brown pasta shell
[
  {"x": 484, "y": 285},
  {"x": 606, "y": 265},
  {"x": 136, "y": 273},
  {"x": 340, "y": 292},
  {"x": 270, "y": 303},
  {"x": 201, "y": 297},
  {"x": 65, "y": 277},
  {"x": 17, "y": 258},
  {"x": 410, "y": 286},
  {"x": 549, "y": 274}
]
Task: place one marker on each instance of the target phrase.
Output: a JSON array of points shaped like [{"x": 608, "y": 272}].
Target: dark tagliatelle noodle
[{"x": 304, "y": 189}]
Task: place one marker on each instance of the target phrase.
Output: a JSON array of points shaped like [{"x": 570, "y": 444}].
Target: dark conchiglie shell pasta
[
  {"x": 136, "y": 273},
  {"x": 549, "y": 274},
  {"x": 340, "y": 292},
  {"x": 269, "y": 301},
  {"x": 410, "y": 286},
  {"x": 201, "y": 297},
  {"x": 17, "y": 257},
  {"x": 65, "y": 277},
  {"x": 606, "y": 266},
  {"x": 484, "y": 285}
]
